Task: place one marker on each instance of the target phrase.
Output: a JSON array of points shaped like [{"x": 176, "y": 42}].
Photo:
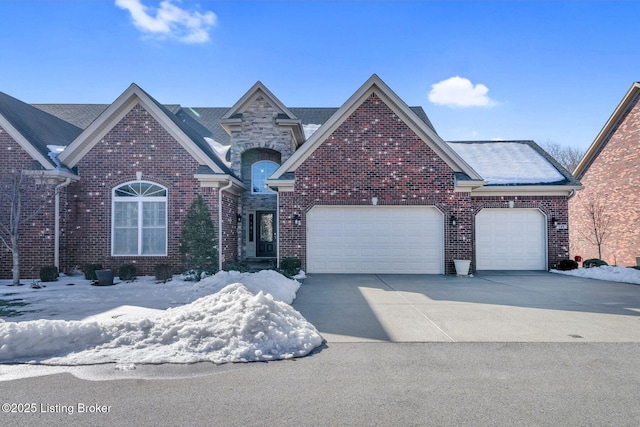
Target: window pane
[
  {"x": 154, "y": 214},
  {"x": 125, "y": 241},
  {"x": 126, "y": 214},
  {"x": 260, "y": 172},
  {"x": 153, "y": 241}
]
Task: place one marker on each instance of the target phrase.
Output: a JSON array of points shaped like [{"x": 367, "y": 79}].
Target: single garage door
[
  {"x": 511, "y": 239},
  {"x": 375, "y": 239}
]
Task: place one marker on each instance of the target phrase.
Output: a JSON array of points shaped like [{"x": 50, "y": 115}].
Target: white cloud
[
  {"x": 460, "y": 92},
  {"x": 170, "y": 21}
]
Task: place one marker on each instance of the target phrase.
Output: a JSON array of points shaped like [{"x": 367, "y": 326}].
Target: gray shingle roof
[{"x": 38, "y": 127}]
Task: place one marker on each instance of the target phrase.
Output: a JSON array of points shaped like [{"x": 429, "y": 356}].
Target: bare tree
[
  {"x": 20, "y": 190},
  {"x": 599, "y": 221},
  {"x": 567, "y": 156}
]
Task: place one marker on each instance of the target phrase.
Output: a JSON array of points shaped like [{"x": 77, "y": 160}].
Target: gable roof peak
[
  {"x": 250, "y": 96},
  {"x": 628, "y": 101}
]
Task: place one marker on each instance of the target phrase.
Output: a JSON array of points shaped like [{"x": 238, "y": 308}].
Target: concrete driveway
[{"x": 491, "y": 307}]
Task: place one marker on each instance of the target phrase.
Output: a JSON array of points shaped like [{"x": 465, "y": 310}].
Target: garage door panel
[
  {"x": 375, "y": 239},
  {"x": 510, "y": 239}
]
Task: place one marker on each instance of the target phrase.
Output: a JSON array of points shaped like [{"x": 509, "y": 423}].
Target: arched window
[
  {"x": 260, "y": 171},
  {"x": 139, "y": 219}
]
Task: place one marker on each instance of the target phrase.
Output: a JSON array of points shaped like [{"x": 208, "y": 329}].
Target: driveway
[{"x": 490, "y": 307}]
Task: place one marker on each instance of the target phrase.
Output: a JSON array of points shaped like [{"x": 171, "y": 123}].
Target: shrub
[
  {"x": 238, "y": 266},
  {"x": 49, "y": 273},
  {"x": 593, "y": 262},
  {"x": 90, "y": 271},
  {"x": 198, "y": 240},
  {"x": 567, "y": 264},
  {"x": 290, "y": 266},
  {"x": 127, "y": 272},
  {"x": 163, "y": 272}
]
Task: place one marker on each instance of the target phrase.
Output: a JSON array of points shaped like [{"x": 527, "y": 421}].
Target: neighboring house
[
  {"x": 610, "y": 173},
  {"x": 369, "y": 187}
]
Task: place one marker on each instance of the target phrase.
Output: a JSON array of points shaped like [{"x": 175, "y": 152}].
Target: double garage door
[{"x": 375, "y": 239}]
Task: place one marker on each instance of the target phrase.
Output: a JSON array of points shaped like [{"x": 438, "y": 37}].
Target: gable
[
  {"x": 624, "y": 119},
  {"x": 401, "y": 113},
  {"x": 189, "y": 139},
  {"x": 373, "y": 149}
]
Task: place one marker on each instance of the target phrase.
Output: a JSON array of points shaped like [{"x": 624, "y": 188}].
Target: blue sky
[{"x": 547, "y": 71}]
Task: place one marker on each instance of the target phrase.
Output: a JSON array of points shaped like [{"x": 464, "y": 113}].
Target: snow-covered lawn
[
  {"x": 610, "y": 273},
  {"x": 229, "y": 317}
]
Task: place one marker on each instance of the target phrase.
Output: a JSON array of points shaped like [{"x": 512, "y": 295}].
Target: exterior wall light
[
  {"x": 453, "y": 221},
  {"x": 296, "y": 219},
  {"x": 239, "y": 218},
  {"x": 554, "y": 222}
]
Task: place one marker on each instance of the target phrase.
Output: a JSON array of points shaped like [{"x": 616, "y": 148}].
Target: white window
[
  {"x": 260, "y": 172},
  {"x": 139, "y": 218}
]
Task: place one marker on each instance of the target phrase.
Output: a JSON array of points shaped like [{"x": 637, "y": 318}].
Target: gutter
[
  {"x": 220, "y": 190},
  {"x": 56, "y": 239}
]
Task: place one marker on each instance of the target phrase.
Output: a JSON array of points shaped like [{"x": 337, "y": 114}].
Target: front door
[{"x": 266, "y": 234}]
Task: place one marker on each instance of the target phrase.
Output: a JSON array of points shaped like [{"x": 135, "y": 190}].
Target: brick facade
[
  {"x": 137, "y": 144},
  {"x": 373, "y": 153},
  {"x": 36, "y": 243},
  {"x": 612, "y": 180}
]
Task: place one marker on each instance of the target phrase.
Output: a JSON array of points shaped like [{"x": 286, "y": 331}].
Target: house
[
  {"x": 368, "y": 187},
  {"x": 609, "y": 168}
]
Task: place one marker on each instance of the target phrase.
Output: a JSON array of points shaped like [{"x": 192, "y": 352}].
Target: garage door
[
  {"x": 511, "y": 239},
  {"x": 375, "y": 239}
]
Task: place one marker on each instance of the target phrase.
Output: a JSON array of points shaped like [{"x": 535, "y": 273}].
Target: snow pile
[
  {"x": 219, "y": 149},
  {"x": 609, "y": 273},
  {"x": 503, "y": 163},
  {"x": 232, "y": 325},
  {"x": 310, "y": 129}
]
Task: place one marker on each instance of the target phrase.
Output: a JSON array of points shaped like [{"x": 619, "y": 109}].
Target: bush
[
  {"x": 290, "y": 266},
  {"x": 49, "y": 273},
  {"x": 567, "y": 264},
  {"x": 238, "y": 266},
  {"x": 163, "y": 272},
  {"x": 90, "y": 271},
  {"x": 593, "y": 262},
  {"x": 127, "y": 272}
]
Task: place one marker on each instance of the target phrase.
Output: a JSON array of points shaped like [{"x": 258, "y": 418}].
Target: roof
[
  {"x": 510, "y": 163},
  {"x": 38, "y": 128},
  {"x": 204, "y": 120},
  {"x": 630, "y": 99}
]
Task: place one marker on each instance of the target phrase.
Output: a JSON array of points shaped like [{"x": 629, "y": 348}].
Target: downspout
[
  {"x": 56, "y": 238},
  {"x": 278, "y": 229},
  {"x": 220, "y": 190}
]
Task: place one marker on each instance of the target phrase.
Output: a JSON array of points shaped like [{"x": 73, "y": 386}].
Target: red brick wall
[
  {"x": 36, "y": 241},
  {"x": 614, "y": 179},
  {"x": 374, "y": 154},
  {"x": 552, "y": 206},
  {"x": 136, "y": 144}
]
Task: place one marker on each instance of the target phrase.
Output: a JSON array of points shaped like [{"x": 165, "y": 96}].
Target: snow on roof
[
  {"x": 505, "y": 163},
  {"x": 310, "y": 129},
  {"x": 219, "y": 149}
]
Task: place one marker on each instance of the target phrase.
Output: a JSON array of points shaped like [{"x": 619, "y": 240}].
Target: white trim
[
  {"x": 140, "y": 200},
  {"x": 526, "y": 190}
]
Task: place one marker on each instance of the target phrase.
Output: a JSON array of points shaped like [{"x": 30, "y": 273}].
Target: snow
[
  {"x": 229, "y": 317},
  {"x": 606, "y": 272},
  {"x": 309, "y": 129},
  {"x": 219, "y": 149},
  {"x": 504, "y": 163}
]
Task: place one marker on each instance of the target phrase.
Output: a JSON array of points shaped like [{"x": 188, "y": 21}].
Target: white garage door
[
  {"x": 375, "y": 239},
  {"x": 511, "y": 239}
]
